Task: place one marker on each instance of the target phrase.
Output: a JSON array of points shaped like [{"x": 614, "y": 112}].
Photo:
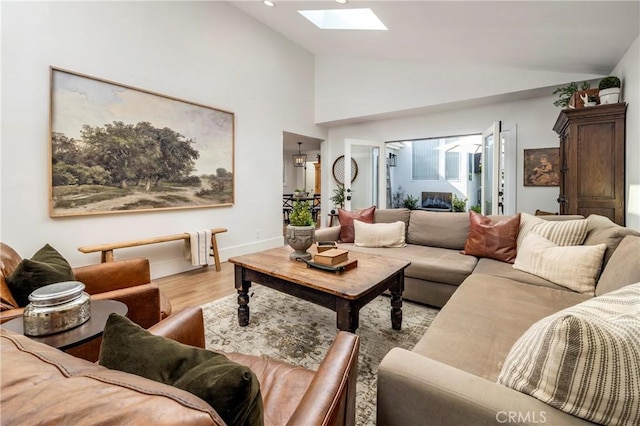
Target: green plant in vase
[
  {"x": 338, "y": 197},
  {"x": 609, "y": 90},
  {"x": 301, "y": 214},
  {"x": 567, "y": 92},
  {"x": 300, "y": 230},
  {"x": 410, "y": 203}
]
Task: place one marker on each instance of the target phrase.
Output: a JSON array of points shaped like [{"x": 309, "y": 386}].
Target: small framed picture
[{"x": 542, "y": 167}]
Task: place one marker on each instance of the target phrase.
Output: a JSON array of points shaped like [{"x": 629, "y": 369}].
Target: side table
[
  {"x": 100, "y": 311},
  {"x": 332, "y": 216}
]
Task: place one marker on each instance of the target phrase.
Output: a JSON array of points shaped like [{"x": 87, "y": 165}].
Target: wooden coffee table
[{"x": 344, "y": 293}]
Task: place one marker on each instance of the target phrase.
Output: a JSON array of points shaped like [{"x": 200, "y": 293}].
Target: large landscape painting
[{"x": 116, "y": 148}]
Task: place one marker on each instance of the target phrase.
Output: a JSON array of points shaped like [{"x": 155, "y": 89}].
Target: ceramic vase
[{"x": 609, "y": 96}]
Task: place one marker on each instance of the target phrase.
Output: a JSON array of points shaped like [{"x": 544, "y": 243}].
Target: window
[{"x": 431, "y": 161}]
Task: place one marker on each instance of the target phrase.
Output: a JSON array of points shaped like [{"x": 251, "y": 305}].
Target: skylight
[{"x": 344, "y": 19}]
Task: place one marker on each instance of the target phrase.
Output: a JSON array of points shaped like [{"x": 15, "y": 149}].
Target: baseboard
[{"x": 176, "y": 265}]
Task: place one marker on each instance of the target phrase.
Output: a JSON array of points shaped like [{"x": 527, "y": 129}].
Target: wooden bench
[{"x": 107, "y": 249}]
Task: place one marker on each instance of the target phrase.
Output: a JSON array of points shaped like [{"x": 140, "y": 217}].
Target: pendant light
[{"x": 299, "y": 159}]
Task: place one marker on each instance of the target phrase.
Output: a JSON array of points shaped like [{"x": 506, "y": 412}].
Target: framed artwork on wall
[
  {"x": 117, "y": 149},
  {"x": 541, "y": 167}
]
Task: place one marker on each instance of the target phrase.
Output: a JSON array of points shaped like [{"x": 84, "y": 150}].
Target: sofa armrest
[
  {"x": 143, "y": 303},
  {"x": 412, "y": 388},
  {"x": 108, "y": 276},
  {"x": 186, "y": 326},
  {"x": 330, "y": 398},
  {"x": 328, "y": 234},
  {"x": 10, "y": 314}
]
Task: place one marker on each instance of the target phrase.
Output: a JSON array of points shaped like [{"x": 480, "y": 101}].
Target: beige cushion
[
  {"x": 573, "y": 267},
  {"x": 602, "y": 230},
  {"x": 583, "y": 360},
  {"x": 432, "y": 264},
  {"x": 561, "y": 232},
  {"x": 506, "y": 270},
  {"x": 392, "y": 215},
  {"x": 526, "y": 223},
  {"x": 438, "y": 229},
  {"x": 623, "y": 268},
  {"x": 564, "y": 233},
  {"x": 485, "y": 316},
  {"x": 379, "y": 234}
]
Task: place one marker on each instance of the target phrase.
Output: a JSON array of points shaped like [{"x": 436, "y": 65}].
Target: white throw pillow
[
  {"x": 379, "y": 234},
  {"x": 583, "y": 360},
  {"x": 562, "y": 232},
  {"x": 574, "y": 267}
]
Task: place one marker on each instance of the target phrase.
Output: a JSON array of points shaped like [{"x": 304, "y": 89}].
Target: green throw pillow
[
  {"x": 46, "y": 267},
  {"x": 230, "y": 388}
]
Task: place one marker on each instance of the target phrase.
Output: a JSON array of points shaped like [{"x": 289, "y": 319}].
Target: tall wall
[
  {"x": 358, "y": 87},
  {"x": 628, "y": 70},
  {"x": 355, "y": 90},
  {"x": 534, "y": 119},
  {"x": 204, "y": 52}
]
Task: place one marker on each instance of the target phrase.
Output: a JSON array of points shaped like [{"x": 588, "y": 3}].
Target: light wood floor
[{"x": 197, "y": 287}]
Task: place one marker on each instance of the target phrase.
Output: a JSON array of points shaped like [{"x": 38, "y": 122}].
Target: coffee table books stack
[{"x": 334, "y": 260}]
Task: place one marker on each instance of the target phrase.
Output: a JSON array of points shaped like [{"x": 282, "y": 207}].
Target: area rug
[{"x": 300, "y": 333}]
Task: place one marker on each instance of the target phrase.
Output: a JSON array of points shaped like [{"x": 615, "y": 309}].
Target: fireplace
[{"x": 436, "y": 201}]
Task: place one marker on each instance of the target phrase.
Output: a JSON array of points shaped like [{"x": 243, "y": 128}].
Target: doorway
[
  {"x": 303, "y": 175},
  {"x": 369, "y": 189}
]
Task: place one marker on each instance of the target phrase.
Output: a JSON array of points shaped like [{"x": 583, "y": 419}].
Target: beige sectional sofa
[
  {"x": 434, "y": 244},
  {"x": 450, "y": 377}
]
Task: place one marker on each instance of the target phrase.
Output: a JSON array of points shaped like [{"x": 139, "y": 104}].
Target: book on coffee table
[
  {"x": 325, "y": 245},
  {"x": 331, "y": 257}
]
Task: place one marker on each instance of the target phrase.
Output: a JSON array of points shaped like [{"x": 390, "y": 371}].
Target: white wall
[
  {"x": 534, "y": 119},
  {"x": 340, "y": 97},
  {"x": 203, "y": 52},
  {"x": 628, "y": 70},
  {"x": 359, "y": 87}
]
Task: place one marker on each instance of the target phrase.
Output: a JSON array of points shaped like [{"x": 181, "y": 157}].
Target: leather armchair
[
  {"x": 33, "y": 374},
  {"x": 291, "y": 395},
  {"x": 128, "y": 281}
]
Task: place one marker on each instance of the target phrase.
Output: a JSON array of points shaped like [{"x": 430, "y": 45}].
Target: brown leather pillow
[
  {"x": 346, "y": 218},
  {"x": 493, "y": 240}
]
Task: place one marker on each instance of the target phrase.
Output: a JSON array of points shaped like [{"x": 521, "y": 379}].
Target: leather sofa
[
  {"x": 40, "y": 384},
  {"x": 127, "y": 281}
]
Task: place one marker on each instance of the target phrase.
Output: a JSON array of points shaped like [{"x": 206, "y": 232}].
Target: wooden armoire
[{"x": 592, "y": 161}]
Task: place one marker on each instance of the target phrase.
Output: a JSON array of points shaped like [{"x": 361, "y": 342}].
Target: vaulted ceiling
[
  {"x": 581, "y": 37},
  {"x": 567, "y": 36}
]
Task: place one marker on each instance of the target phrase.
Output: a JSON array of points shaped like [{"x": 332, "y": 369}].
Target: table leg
[
  {"x": 348, "y": 318},
  {"x": 242, "y": 286},
  {"x": 396, "y": 301}
]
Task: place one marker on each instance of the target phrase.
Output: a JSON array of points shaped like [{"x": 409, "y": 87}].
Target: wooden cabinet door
[{"x": 592, "y": 152}]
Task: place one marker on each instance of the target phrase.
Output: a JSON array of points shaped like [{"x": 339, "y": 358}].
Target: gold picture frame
[
  {"x": 541, "y": 167},
  {"x": 119, "y": 149}
]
